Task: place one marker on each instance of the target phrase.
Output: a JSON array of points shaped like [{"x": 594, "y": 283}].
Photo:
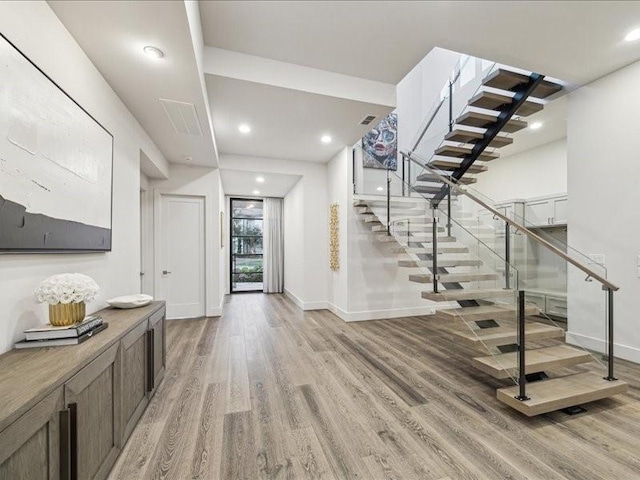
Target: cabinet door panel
[
  {"x": 96, "y": 391},
  {"x": 30, "y": 447},
  {"x": 538, "y": 212},
  {"x": 134, "y": 378},
  {"x": 157, "y": 324},
  {"x": 560, "y": 211}
]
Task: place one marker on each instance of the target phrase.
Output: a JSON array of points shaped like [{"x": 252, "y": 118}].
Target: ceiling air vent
[
  {"x": 183, "y": 117},
  {"x": 367, "y": 120}
]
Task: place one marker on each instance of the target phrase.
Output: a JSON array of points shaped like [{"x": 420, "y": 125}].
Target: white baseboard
[
  {"x": 318, "y": 305},
  {"x": 380, "y": 314},
  {"x": 294, "y": 298},
  {"x": 620, "y": 351}
]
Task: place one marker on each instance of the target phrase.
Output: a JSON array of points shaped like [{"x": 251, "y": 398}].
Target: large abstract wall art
[
  {"x": 55, "y": 165},
  {"x": 380, "y": 145}
]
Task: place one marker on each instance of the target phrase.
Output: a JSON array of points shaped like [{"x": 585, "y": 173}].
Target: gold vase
[{"x": 64, "y": 314}]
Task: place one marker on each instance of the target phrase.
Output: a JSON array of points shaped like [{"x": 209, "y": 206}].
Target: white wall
[
  {"x": 340, "y": 192},
  {"x": 312, "y": 291},
  {"x": 294, "y": 246},
  {"x": 532, "y": 173},
  {"x": 146, "y": 236},
  {"x": 203, "y": 182},
  {"x": 37, "y": 32},
  {"x": 603, "y": 170},
  {"x": 418, "y": 91},
  {"x": 224, "y": 249},
  {"x": 369, "y": 284}
]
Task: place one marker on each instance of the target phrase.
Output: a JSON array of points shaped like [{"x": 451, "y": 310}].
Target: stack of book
[{"x": 50, "y": 336}]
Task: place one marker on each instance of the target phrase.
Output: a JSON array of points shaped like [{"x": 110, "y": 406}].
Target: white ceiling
[
  {"x": 113, "y": 35},
  {"x": 242, "y": 183},
  {"x": 286, "y": 124},
  {"x": 576, "y": 41},
  {"x": 554, "y": 127}
]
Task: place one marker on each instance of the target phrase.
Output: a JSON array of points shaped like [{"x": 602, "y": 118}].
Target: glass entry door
[{"x": 246, "y": 245}]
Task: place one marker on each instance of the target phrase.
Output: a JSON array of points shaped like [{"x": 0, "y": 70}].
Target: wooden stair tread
[
  {"x": 463, "y": 262},
  {"x": 453, "y": 277},
  {"x": 466, "y": 294},
  {"x": 466, "y": 136},
  {"x": 460, "y": 152},
  {"x": 557, "y": 393},
  {"x": 494, "y": 101},
  {"x": 403, "y": 243},
  {"x": 382, "y": 202},
  {"x": 431, "y": 189},
  {"x": 430, "y": 177},
  {"x": 508, "y": 335},
  {"x": 507, "y": 80},
  {"x": 414, "y": 227},
  {"x": 384, "y": 238},
  {"x": 453, "y": 165},
  {"x": 442, "y": 249},
  {"x": 487, "y": 312},
  {"x": 484, "y": 120},
  {"x": 536, "y": 360}
]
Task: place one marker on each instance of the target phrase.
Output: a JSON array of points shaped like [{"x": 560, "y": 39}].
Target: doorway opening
[{"x": 246, "y": 244}]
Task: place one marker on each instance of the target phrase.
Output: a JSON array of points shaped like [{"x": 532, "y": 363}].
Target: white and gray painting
[{"x": 55, "y": 165}]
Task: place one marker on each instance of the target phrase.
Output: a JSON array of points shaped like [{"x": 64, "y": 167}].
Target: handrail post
[
  {"x": 522, "y": 380},
  {"x": 403, "y": 176},
  {"x": 507, "y": 256},
  {"x": 434, "y": 243},
  {"x": 449, "y": 213},
  {"x": 450, "y": 106},
  {"x": 409, "y": 176},
  {"x": 388, "y": 204},
  {"x": 610, "y": 375}
]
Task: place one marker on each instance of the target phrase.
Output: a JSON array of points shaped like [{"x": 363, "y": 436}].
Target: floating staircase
[{"x": 485, "y": 318}]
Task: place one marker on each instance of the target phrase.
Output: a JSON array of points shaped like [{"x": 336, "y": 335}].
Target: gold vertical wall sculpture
[{"x": 334, "y": 238}]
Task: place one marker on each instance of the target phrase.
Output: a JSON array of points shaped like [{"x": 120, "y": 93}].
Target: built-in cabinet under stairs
[{"x": 482, "y": 322}]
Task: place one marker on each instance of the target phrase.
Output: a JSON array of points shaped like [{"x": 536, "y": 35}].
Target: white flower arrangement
[{"x": 67, "y": 288}]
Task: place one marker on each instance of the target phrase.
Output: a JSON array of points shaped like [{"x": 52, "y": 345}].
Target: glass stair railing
[
  {"x": 493, "y": 271},
  {"x": 547, "y": 345}
]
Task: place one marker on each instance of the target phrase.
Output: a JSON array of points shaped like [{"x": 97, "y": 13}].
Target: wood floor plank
[
  {"x": 238, "y": 398},
  {"x": 268, "y": 391},
  {"x": 342, "y": 462},
  {"x": 238, "y": 447},
  {"x": 309, "y": 456}
]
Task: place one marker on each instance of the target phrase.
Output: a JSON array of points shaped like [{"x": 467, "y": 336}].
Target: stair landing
[{"x": 550, "y": 395}]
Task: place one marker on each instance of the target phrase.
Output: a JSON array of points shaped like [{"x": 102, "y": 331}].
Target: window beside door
[{"x": 246, "y": 245}]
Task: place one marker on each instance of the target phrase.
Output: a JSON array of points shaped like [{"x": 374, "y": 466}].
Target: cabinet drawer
[{"x": 557, "y": 306}]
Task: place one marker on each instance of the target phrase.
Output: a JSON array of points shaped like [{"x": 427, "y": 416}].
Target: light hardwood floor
[{"x": 271, "y": 392}]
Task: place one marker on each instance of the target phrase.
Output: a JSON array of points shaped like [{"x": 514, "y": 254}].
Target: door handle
[
  {"x": 166, "y": 272},
  {"x": 69, "y": 442}
]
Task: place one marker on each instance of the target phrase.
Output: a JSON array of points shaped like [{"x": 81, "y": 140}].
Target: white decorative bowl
[{"x": 131, "y": 301}]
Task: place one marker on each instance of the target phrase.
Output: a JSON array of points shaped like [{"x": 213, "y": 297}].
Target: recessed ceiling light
[
  {"x": 535, "y": 125},
  {"x": 633, "y": 35},
  {"x": 153, "y": 52},
  {"x": 380, "y": 189},
  {"x": 251, "y": 205},
  {"x": 256, "y": 192},
  {"x": 244, "y": 128},
  {"x": 260, "y": 179},
  {"x": 326, "y": 139}
]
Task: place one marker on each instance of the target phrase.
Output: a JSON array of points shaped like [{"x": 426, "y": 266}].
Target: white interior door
[{"x": 182, "y": 272}]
